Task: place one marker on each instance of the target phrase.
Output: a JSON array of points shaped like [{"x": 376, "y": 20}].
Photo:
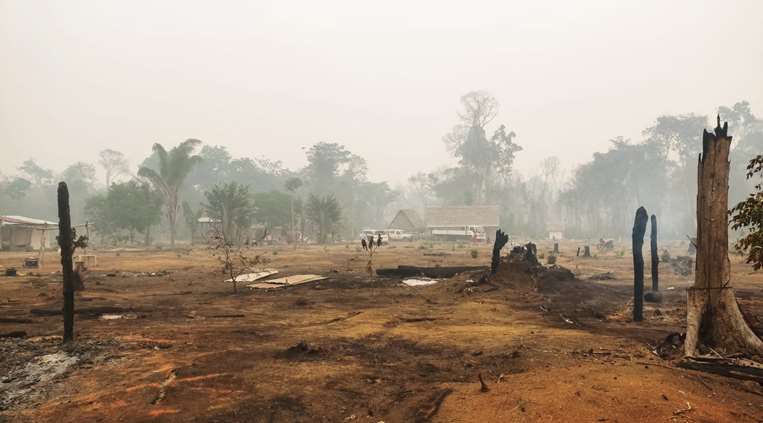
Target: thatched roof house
[{"x": 407, "y": 220}]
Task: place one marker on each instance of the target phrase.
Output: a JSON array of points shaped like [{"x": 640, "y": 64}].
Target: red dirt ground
[{"x": 354, "y": 348}]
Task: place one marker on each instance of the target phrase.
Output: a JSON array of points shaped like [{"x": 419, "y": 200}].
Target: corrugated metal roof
[
  {"x": 458, "y": 216},
  {"x": 23, "y": 220}
]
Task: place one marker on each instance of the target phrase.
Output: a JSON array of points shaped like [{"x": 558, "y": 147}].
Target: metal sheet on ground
[
  {"x": 286, "y": 281},
  {"x": 251, "y": 277},
  {"x": 419, "y": 282}
]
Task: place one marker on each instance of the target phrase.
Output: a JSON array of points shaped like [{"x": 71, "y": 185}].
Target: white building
[{"x": 26, "y": 233}]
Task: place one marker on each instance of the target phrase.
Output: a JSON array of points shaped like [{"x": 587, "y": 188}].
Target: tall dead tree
[
  {"x": 655, "y": 258},
  {"x": 66, "y": 242},
  {"x": 639, "y": 229},
  {"x": 713, "y": 317}
]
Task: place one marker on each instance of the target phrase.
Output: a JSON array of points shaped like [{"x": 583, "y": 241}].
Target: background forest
[{"x": 332, "y": 198}]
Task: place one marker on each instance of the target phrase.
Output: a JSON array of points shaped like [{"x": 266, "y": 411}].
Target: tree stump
[
  {"x": 587, "y": 251},
  {"x": 556, "y": 248},
  {"x": 66, "y": 242},
  {"x": 500, "y": 241},
  {"x": 639, "y": 229},
  {"x": 655, "y": 257},
  {"x": 531, "y": 254},
  {"x": 713, "y": 317}
]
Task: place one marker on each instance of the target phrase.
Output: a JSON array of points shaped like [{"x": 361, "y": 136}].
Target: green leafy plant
[{"x": 747, "y": 216}]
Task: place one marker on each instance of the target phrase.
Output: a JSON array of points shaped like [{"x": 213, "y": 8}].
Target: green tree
[
  {"x": 36, "y": 173},
  {"x": 114, "y": 164},
  {"x": 173, "y": 167},
  {"x": 484, "y": 160},
  {"x": 272, "y": 208},
  {"x": 747, "y": 216},
  {"x": 191, "y": 218},
  {"x": 131, "y": 206},
  {"x": 292, "y": 185},
  {"x": 325, "y": 162},
  {"x": 79, "y": 177},
  {"x": 231, "y": 203},
  {"x": 15, "y": 188},
  {"x": 325, "y": 213}
]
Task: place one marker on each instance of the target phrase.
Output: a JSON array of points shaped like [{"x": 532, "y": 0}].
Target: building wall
[{"x": 26, "y": 238}]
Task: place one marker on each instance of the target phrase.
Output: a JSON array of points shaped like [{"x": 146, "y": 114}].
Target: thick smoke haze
[{"x": 384, "y": 79}]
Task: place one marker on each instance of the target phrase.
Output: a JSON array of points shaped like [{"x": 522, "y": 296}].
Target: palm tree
[
  {"x": 232, "y": 204},
  {"x": 174, "y": 167},
  {"x": 324, "y": 212}
]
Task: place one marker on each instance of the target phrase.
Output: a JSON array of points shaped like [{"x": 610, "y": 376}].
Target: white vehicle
[
  {"x": 374, "y": 234},
  {"x": 473, "y": 233},
  {"x": 399, "y": 235}
]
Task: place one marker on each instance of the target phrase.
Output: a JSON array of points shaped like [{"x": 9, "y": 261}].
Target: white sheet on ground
[{"x": 419, "y": 282}]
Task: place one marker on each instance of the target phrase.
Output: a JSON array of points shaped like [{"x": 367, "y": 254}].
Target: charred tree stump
[
  {"x": 587, "y": 251},
  {"x": 556, "y": 248},
  {"x": 713, "y": 317},
  {"x": 578, "y": 253},
  {"x": 531, "y": 253},
  {"x": 500, "y": 241},
  {"x": 655, "y": 257},
  {"x": 639, "y": 229},
  {"x": 66, "y": 242}
]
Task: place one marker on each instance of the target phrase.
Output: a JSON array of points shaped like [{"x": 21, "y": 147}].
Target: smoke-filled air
[{"x": 261, "y": 211}]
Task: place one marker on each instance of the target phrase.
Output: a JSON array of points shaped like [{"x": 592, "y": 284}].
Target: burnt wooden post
[
  {"x": 655, "y": 258},
  {"x": 639, "y": 229},
  {"x": 500, "y": 241},
  {"x": 66, "y": 242}
]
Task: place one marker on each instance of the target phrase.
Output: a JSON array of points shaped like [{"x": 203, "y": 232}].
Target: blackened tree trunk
[
  {"x": 587, "y": 251},
  {"x": 556, "y": 247},
  {"x": 66, "y": 242},
  {"x": 655, "y": 258},
  {"x": 713, "y": 318},
  {"x": 639, "y": 229},
  {"x": 500, "y": 241}
]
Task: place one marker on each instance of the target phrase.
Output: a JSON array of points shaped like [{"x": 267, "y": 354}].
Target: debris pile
[
  {"x": 521, "y": 269},
  {"x": 606, "y": 276},
  {"x": 605, "y": 245},
  {"x": 681, "y": 265}
]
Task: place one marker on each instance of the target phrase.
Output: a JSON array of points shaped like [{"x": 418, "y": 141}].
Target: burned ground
[{"x": 181, "y": 347}]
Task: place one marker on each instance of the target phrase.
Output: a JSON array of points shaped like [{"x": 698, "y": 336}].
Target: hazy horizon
[{"x": 272, "y": 78}]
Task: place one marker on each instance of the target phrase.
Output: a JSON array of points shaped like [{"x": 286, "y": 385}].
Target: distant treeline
[{"x": 331, "y": 198}]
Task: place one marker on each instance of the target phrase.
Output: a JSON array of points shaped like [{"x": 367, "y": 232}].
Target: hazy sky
[{"x": 383, "y": 78}]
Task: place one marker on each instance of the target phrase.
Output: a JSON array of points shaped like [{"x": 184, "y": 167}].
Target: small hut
[
  {"x": 408, "y": 220},
  {"x": 26, "y": 233}
]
